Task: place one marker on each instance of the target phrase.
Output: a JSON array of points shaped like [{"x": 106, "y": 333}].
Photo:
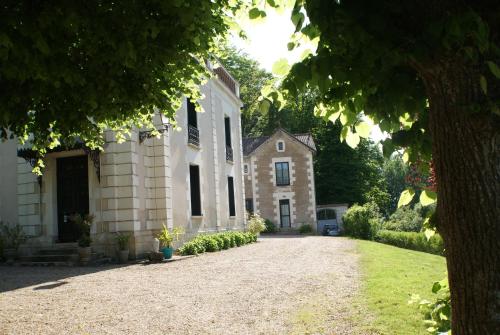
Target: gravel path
[{"x": 280, "y": 285}]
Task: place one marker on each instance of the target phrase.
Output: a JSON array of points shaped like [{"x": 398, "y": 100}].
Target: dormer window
[
  {"x": 280, "y": 146},
  {"x": 245, "y": 168}
]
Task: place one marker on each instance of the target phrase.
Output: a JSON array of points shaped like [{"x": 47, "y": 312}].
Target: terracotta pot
[
  {"x": 123, "y": 256},
  {"x": 85, "y": 254}
]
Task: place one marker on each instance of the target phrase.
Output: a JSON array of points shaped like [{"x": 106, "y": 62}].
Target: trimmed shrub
[
  {"x": 404, "y": 219},
  {"x": 362, "y": 221},
  {"x": 216, "y": 242},
  {"x": 411, "y": 240},
  {"x": 270, "y": 227},
  {"x": 256, "y": 224},
  {"x": 305, "y": 229}
]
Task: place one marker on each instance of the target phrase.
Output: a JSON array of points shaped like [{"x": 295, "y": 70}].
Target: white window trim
[
  {"x": 277, "y": 145},
  {"x": 291, "y": 167}
]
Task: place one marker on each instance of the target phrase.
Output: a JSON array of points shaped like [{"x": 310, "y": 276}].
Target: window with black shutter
[
  {"x": 282, "y": 174},
  {"x": 230, "y": 188},
  {"x": 194, "y": 177}
]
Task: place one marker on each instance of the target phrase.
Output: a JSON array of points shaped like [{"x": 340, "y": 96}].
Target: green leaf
[
  {"x": 363, "y": 129},
  {"x": 427, "y": 197},
  {"x": 281, "y": 67},
  {"x": 254, "y": 13},
  {"x": 334, "y": 116},
  {"x": 436, "y": 287},
  {"x": 352, "y": 139},
  {"x": 290, "y": 46},
  {"x": 298, "y": 20},
  {"x": 406, "y": 197},
  {"x": 484, "y": 84},
  {"x": 494, "y": 69},
  {"x": 264, "y": 106}
]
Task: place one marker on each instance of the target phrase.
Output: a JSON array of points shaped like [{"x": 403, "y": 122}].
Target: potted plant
[
  {"x": 84, "y": 223},
  {"x": 166, "y": 238},
  {"x": 123, "y": 251},
  {"x": 12, "y": 237}
]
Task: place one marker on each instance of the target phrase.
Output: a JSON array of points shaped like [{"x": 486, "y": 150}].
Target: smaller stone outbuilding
[{"x": 279, "y": 178}]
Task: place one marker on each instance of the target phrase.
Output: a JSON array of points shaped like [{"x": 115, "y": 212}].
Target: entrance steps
[{"x": 64, "y": 254}]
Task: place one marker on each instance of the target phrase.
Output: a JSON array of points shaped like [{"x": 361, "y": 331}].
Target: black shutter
[
  {"x": 227, "y": 124},
  {"x": 194, "y": 176},
  {"x": 230, "y": 187},
  {"x": 191, "y": 114}
]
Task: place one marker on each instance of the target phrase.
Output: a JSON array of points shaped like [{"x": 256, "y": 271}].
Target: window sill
[{"x": 199, "y": 217}]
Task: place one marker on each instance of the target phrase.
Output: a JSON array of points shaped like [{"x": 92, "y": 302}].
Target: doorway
[
  {"x": 72, "y": 195},
  {"x": 285, "y": 221}
]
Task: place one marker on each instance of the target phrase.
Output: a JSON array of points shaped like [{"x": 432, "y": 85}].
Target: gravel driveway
[{"x": 280, "y": 285}]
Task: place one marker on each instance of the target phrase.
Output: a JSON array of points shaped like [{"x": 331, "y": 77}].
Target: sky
[{"x": 267, "y": 42}]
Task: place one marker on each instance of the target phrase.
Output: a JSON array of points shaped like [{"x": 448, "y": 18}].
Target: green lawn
[{"x": 390, "y": 275}]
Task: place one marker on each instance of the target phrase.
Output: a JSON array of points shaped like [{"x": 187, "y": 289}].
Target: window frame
[
  {"x": 279, "y": 174},
  {"x": 230, "y": 194}
]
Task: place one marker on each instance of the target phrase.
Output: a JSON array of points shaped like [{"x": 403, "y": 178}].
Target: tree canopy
[{"x": 72, "y": 69}]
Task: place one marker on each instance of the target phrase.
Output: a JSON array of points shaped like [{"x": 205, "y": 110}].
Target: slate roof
[{"x": 252, "y": 143}]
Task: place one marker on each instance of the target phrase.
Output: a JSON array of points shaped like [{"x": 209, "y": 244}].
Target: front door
[
  {"x": 72, "y": 195},
  {"x": 285, "y": 221}
]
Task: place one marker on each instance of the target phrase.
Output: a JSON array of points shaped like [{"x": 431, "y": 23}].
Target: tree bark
[{"x": 466, "y": 156}]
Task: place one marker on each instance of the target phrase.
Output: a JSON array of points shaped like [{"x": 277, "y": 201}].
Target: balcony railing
[
  {"x": 193, "y": 135},
  {"x": 229, "y": 154}
]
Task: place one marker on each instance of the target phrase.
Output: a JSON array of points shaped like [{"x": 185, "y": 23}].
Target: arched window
[{"x": 280, "y": 146}]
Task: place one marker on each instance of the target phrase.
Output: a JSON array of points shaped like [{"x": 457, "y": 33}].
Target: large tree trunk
[{"x": 466, "y": 156}]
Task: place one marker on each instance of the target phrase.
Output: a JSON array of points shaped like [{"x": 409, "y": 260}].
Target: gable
[{"x": 251, "y": 144}]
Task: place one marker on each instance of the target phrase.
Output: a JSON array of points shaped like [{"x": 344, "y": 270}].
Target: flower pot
[
  {"x": 123, "y": 256},
  {"x": 167, "y": 252},
  {"x": 84, "y": 253}
]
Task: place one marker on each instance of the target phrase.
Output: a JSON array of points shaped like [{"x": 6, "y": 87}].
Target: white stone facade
[{"x": 142, "y": 184}]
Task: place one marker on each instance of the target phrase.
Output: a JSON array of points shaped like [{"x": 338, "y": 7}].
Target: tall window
[
  {"x": 230, "y": 192},
  {"x": 191, "y": 114},
  {"x": 194, "y": 177},
  {"x": 229, "y": 149},
  {"x": 282, "y": 174},
  {"x": 249, "y": 205}
]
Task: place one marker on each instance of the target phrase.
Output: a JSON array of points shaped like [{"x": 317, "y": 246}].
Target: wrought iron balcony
[
  {"x": 193, "y": 135},
  {"x": 229, "y": 154}
]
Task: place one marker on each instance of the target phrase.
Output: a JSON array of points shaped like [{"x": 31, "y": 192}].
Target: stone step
[
  {"x": 49, "y": 258},
  {"x": 63, "y": 251},
  {"x": 45, "y": 263}
]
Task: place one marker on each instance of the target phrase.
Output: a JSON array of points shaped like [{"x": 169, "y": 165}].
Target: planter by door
[
  {"x": 123, "y": 256},
  {"x": 84, "y": 253},
  {"x": 167, "y": 252}
]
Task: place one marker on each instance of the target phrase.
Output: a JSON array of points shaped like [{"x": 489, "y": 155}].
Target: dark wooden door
[
  {"x": 72, "y": 195},
  {"x": 285, "y": 221}
]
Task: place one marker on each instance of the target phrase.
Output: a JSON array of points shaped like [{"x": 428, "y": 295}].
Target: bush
[
  {"x": 270, "y": 227},
  {"x": 404, "y": 219},
  {"x": 437, "y": 313},
  {"x": 362, "y": 221},
  {"x": 412, "y": 240},
  {"x": 305, "y": 229},
  {"x": 216, "y": 242},
  {"x": 256, "y": 224}
]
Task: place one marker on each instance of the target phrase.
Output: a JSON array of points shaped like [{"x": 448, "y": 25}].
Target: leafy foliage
[
  {"x": 256, "y": 224},
  {"x": 362, "y": 221},
  {"x": 404, "y": 219},
  {"x": 270, "y": 227},
  {"x": 74, "y": 69},
  {"x": 122, "y": 240},
  {"x": 305, "y": 229},
  {"x": 394, "y": 172},
  {"x": 438, "y": 312},
  {"x": 216, "y": 242},
  {"x": 412, "y": 241},
  {"x": 11, "y": 236},
  {"x": 166, "y": 236}
]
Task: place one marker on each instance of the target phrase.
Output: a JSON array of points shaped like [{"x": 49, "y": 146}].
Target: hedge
[
  {"x": 411, "y": 240},
  {"x": 215, "y": 242}
]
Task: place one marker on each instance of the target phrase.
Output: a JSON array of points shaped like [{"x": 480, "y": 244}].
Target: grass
[{"x": 390, "y": 275}]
